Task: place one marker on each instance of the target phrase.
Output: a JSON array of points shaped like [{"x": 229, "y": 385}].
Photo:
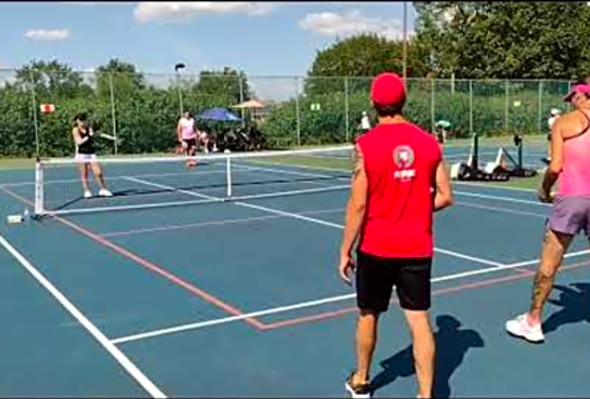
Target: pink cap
[
  {"x": 388, "y": 89},
  {"x": 579, "y": 88}
]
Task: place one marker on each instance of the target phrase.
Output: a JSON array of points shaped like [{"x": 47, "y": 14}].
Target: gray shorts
[{"x": 570, "y": 215}]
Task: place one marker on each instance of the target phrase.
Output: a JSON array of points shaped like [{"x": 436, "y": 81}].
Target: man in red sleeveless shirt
[{"x": 399, "y": 181}]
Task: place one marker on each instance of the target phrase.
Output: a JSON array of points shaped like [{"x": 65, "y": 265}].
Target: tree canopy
[
  {"x": 511, "y": 40},
  {"x": 479, "y": 40}
]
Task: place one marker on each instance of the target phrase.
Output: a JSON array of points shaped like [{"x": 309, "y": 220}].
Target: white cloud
[
  {"x": 353, "y": 22},
  {"x": 150, "y": 10},
  {"x": 47, "y": 35}
]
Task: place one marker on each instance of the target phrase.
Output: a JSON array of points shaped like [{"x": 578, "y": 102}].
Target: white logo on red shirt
[{"x": 403, "y": 156}]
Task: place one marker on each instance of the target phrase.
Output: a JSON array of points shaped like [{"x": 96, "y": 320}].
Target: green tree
[
  {"x": 511, "y": 40},
  {"x": 229, "y": 86},
  {"x": 52, "y": 80},
  {"x": 363, "y": 55},
  {"x": 126, "y": 79}
]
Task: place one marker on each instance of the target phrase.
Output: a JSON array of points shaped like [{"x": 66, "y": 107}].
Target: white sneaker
[
  {"x": 87, "y": 194},
  {"x": 105, "y": 193},
  {"x": 357, "y": 391},
  {"x": 520, "y": 327}
]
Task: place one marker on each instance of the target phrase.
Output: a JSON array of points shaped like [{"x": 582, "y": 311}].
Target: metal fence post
[
  {"x": 113, "y": 118},
  {"x": 35, "y": 121},
  {"x": 242, "y": 110},
  {"x": 540, "y": 105},
  {"x": 471, "y": 107},
  {"x": 506, "y": 107},
  {"x": 297, "y": 112},
  {"x": 346, "y": 108},
  {"x": 432, "y": 104}
]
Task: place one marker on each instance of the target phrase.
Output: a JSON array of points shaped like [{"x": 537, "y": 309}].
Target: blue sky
[{"x": 264, "y": 39}]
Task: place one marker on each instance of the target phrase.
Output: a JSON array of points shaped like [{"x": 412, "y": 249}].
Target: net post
[
  {"x": 39, "y": 197},
  {"x": 228, "y": 176}
]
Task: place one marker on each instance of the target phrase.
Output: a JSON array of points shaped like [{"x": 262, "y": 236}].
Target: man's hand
[{"x": 346, "y": 266}]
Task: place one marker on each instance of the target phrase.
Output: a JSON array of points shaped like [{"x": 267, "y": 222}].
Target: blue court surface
[{"x": 243, "y": 298}]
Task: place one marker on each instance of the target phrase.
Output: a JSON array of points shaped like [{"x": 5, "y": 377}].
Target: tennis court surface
[{"x": 207, "y": 297}]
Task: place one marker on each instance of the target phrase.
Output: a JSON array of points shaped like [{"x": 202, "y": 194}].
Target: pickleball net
[{"x": 143, "y": 183}]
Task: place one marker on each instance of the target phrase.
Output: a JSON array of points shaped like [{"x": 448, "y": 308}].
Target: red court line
[
  {"x": 523, "y": 272},
  {"x": 148, "y": 265},
  {"x": 459, "y": 288}
]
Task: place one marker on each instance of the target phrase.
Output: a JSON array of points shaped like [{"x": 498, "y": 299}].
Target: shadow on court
[
  {"x": 573, "y": 300},
  {"x": 452, "y": 344}
]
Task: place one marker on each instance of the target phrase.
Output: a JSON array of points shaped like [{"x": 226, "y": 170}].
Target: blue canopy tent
[
  {"x": 224, "y": 138},
  {"x": 219, "y": 115}
]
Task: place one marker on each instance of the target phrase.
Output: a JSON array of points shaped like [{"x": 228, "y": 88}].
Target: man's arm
[
  {"x": 355, "y": 213},
  {"x": 556, "y": 164},
  {"x": 444, "y": 193}
]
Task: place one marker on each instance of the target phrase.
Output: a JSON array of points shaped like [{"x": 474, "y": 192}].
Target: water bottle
[{"x": 26, "y": 215}]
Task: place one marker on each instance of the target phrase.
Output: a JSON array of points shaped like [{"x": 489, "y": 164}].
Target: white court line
[
  {"x": 469, "y": 194},
  {"x": 108, "y": 345},
  {"x": 305, "y": 218},
  {"x": 502, "y": 210},
  {"x": 222, "y": 222},
  {"x": 494, "y": 186},
  {"x": 498, "y": 198},
  {"x": 317, "y": 302},
  {"x": 464, "y": 193}
]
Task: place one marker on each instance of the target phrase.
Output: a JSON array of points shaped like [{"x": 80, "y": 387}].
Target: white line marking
[
  {"x": 484, "y": 185},
  {"x": 502, "y": 210},
  {"x": 339, "y": 226},
  {"x": 306, "y": 219},
  {"x": 494, "y": 186},
  {"x": 210, "y": 223},
  {"x": 164, "y": 187},
  {"x": 317, "y": 302},
  {"x": 109, "y": 346},
  {"x": 498, "y": 198}
]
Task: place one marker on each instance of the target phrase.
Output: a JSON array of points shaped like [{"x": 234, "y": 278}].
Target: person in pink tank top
[
  {"x": 187, "y": 136},
  {"x": 570, "y": 164}
]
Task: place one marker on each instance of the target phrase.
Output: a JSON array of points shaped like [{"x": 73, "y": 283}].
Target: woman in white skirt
[{"x": 86, "y": 153}]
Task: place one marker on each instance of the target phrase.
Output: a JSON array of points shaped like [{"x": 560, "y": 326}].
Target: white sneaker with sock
[
  {"x": 87, "y": 194},
  {"x": 520, "y": 327},
  {"x": 105, "y": 193}
]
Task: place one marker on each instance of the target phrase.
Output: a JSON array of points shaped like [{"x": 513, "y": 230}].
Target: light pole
[{"x": 178, "y": 66}]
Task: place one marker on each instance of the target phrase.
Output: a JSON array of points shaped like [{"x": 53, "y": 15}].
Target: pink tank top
[
  {"x": 574, "y": 180},
  {"x": 187, "y": 127}
]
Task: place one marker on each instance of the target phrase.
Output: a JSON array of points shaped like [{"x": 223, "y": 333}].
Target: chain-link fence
[{"x": 141, "y": 110}]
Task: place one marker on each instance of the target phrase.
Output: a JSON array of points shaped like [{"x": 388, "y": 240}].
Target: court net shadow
[
  {"x": 452, "y": 345},
  {"x": 573, "y": 301}
]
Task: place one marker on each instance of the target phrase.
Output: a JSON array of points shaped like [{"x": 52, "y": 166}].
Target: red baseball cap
[{"x": 388, "y": 89}]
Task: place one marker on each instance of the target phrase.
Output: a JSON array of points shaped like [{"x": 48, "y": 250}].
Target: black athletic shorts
[
  {"x": 190, "y": 143},
  {"x": 376, "y": 277}
]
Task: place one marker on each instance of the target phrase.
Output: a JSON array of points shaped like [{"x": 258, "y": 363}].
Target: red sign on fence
[{"x": 47, "y": 108}]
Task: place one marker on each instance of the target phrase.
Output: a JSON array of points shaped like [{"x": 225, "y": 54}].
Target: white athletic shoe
[
  {"x": 520, "y": 327},
  {"x": 87, "y": 194},
  {"x": 357, "y": 391},
  {"x": 105, "y": 193}
]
